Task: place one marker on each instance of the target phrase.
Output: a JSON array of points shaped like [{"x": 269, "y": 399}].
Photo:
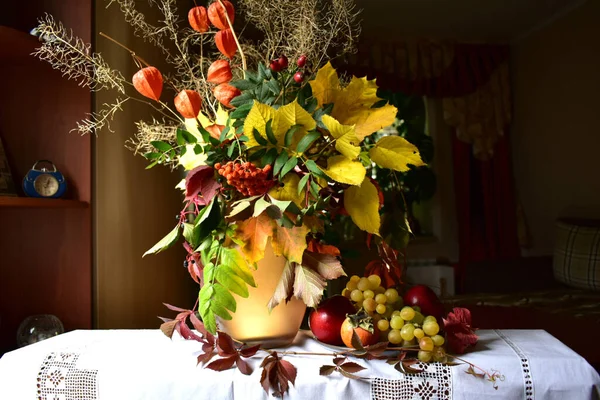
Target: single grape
[
  {"x": 379, "y": 290},
  {"x": 392, "y": 295},
  {"x": 424, "y": 356},
  {"x": 381, "y": 298},
  {"x": 439, "y": 354},
  {"x": 396, "y": 312},
  {"x": 355, "y": 278},
  {"x": 369, "y": 294},
  {"x": 407, "y": 313},
  {"x": 409, "y": 343},
  {"x": 356, "y": 295},
  {"x": 369, "y": 304},
  {"x": 429, "y": 318},
  {"x": 408, "y": 332},
  {"x": 394, "y": 336},
  {"x": 417, "y": 308},
  {"x": 380, "y": 309},
  {"x": 438, "y": 340},
  {"x": 419, "y": 333},
  {"x": 383, "y": 325},
  {"x": 346, "y": 293},
  {"x": 351, "y": 285},
  {"x": 375, "y": 280},
  {"x": 426, "y": 343},
  {"x": 418, "y": 318},
  {"x": 431, "y": 328},
  {"x": 398, "y": 304},
  {"x": 388, "y": 311},
  {"x": 396, "y": 322},
  {"x": 376, "y": 318},
  {"x": 363, "y": 284}
]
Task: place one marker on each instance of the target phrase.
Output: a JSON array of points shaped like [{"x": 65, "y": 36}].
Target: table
[{"x": 145, "y": 364}]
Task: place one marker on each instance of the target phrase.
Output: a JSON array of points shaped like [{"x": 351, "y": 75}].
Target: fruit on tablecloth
[
  {"x": 326, "y": 321},
  {"x": 363, "y": 325},
  {"x": 422, "y": 296}
]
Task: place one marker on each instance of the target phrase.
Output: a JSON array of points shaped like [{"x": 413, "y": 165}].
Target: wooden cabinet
[{"x": 45, "y": 244}]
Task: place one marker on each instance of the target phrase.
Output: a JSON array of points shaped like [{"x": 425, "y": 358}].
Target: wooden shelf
[
  {"x": 30, "y": 202},
  {"x": 16, "y": 45}
]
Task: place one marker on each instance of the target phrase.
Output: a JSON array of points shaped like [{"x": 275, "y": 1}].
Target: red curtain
[{"x": 485, "y": 197}]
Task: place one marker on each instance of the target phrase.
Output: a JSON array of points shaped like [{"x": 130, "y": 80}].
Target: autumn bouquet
[{"x": 274, "y": 146}]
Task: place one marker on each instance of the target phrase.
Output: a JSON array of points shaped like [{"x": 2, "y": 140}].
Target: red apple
[
  {"x": 326, "y": 321},
  {"x": 425, "y": 298}
]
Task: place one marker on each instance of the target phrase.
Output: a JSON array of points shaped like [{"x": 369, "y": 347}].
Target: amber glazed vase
[{"x": 252, "y": 322}]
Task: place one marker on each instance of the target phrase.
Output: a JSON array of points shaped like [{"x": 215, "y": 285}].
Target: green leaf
[
  {"x": 234, "y": 260},
  {"x": 160, "y": 145},
  {"x": 258, "y": 137},
  {"x": 180, "y": 139},
  {"x": 209, "y": 272},
  {"x": 188, "y": 136},
  {"x": 191, "y": 234},
  {"x": 274, "y": 86},
  {"x": 242, "y": 99},
  {"x": 209, "y": 220},
  {"x": 270, "y": 134},
  {"x": 224, "y": 298},
  {"x": 262, "y": 71},
  {"x": 152, "y": 164},
  {"x": 314, "y": 189},
  {"x": 289, "y": 135},
  {"x": 312, "y": 104},
  {"x": 251, "y": 76},
  {"x": 231, "y": 149},
  {"x": 241, "y": 111},
  {"x": 280, "y": 162},
  {"x": 302, "y": 183},
  {"x": 304, "y": 94},
  {"x": 198, "y": 149},
  {"x": 307, "y": 141},
  {"x": 289, "y": 165},
  {"x": 281, "y": 204},
  {"x": 243, "y": 84},
  {"x": 224, "y": 133},
  {"x": 257, "y": 155},
  {"x": 260, "y": 206},
  {"x": 269, "y": 157},
  {"x": 152, "y": 156},
  {"x": 227, "y": 277},
  {"x": 165, "y": 242},
  {"x": 314, "y": 168}
]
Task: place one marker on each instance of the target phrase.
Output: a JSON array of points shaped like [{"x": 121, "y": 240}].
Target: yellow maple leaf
[
  {"x": 190, "y": 159},
  {"x": 289, "y": 115},
  {"x": 254, "y": 232},
  {"x": 395, "y": 152},
  {"x": 345, "y": 137},
  {"x": 289, "y": 190},
  {"x": 290, "y": 242},
  {"x": 343, "y": 170},
  {"x": 325, "y": 85},
  {"x": 362, "y": 203},
  {"x": 257, "y": 119}
]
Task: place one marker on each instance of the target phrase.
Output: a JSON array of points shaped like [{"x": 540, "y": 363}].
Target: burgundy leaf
[
  {"x": 348, "y": 374},
  {"x": 182, "y": 316},
  {"x": 243, "y": 366},
  {"x": 225, "y": 345},
  {"x": 187, "y": 333},
  {"x": 356, "y": 343},
  {"x": 201, "y": 181},
  {"x": 168, "y": 327},
  {"x": 339, "y": 360},
  {"x": 264, "y": 380},
  {"x": 289, "y": 370},
  {"x": 207, "y": 355},
  {"x": 352, "y": 367},
  {"x": 407, "y": 366},
  {"x": 222, "y": 364},
  {"x": 459, "y": 333},
  {"x": 326, "y": 369},
  {"x": 269, "y": 359},
  {"x": 174, "y": 308},
  {"x": 249, "y": 351}
]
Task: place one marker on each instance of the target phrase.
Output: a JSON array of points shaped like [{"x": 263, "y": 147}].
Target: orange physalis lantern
[
  {"x": 188, "y": 103},
  {"x": 226, "y": 43},
  {"x": 198, "y": 19},
  {"x": 216, "y": 14},
  {"x": 219, "y": 72},
  {"x": 149, "y": 82},
  {"x": 225, "y": 93}
]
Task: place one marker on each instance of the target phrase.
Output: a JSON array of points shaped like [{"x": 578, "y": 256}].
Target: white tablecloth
[{"x": 145, "y": 364}]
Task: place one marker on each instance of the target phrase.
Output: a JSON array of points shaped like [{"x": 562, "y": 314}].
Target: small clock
[{"x": 45, "y": 182}]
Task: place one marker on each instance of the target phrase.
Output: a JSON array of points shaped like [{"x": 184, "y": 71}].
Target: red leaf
[
  {"x": 352, "y": 367},
  {"x": 339, "y": 360},
  {"x": 225, "y": 345},
  {"x": 207, "y": 348},
  {"x": 459, "y": 333},
  {"x": 243, "y": 366},
  {"x": 249, "y": 351},
  {"x": 201, "y": 181},
  {"x": 168, "y": 327},
  {"x": 317, "y": 247},
  {"x": 264, "y": 379},
  {"x": 222, "y": 364},
  {"x": 187, "y": 333},
  {"x": 288, "y": 370},
  {"x": 174, "y": 308}
]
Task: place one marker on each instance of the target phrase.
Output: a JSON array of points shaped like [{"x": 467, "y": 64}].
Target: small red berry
[
  {"x": 299, "y": 77},
  {"x": 283, "y": 62},
  {"x": 275, "y": 67},
  {"x": 301, "y": 61}
]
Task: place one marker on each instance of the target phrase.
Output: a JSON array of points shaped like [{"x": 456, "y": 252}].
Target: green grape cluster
[{"x": 398, "y": 324}]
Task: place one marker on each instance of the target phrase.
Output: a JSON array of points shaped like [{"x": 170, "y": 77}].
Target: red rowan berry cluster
[{"x": 246, "y": 177}]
